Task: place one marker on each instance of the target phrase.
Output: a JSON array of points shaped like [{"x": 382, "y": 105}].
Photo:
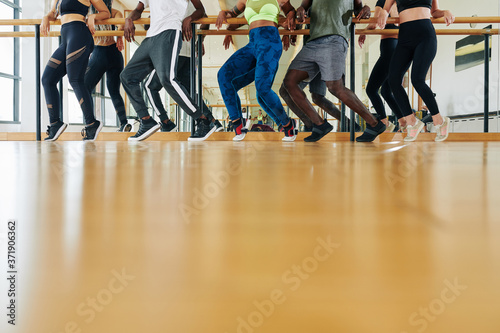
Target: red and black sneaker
[
  {"x": 290, "y": 131},
  {"x": 240, "y": 130}
]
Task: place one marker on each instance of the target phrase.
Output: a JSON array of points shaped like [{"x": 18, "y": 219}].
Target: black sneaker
[
  {"x": 168, "y": 127},
  {"x": 290, "y": 131},
  {"x": 319, "y": 131},
  {"x": 90, "y": 132},
  {"x": 218, "y": 126},
  {"x": 55, "y": 130},
  {"x": 125, "y": 128},
  {"x": 203, "y": 130},
  {"x": 146, "y": 128},
  {"x": 371, "y": 133},
  {"x": 307, "y": 129}
]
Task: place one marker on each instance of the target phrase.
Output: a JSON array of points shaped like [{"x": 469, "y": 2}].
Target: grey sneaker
[
  {"x": 90, "y": 132},
  {"x": 168, "y": 127},
  {"x": 203, "y": 130},
  {"x": 55, "y": 130},
  {"x": 146, "y": 129}
]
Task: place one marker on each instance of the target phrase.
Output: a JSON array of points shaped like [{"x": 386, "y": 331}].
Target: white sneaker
[
  {"x": 390, "y": 127},
  {"x": 239, "y": 137},
  {"x": 414, "y": 131},
  {"x": 442, "y": 130}
]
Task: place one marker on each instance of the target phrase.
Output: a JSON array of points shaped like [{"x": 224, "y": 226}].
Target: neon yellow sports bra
[{"x": 256, "y": 10}]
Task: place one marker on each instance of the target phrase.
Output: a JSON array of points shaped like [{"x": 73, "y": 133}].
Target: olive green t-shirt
[{"x": 331, "y": 17}]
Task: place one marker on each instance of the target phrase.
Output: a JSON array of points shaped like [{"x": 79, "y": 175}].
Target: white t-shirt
[{"x": 165, "y": 15}]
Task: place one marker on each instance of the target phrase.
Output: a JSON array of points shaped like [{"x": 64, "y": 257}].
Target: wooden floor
[{"x": 254, "y": 236}]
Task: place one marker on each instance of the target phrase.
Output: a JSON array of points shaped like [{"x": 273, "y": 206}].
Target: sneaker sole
[
  {"x": 58, "y": 133},
  {"x": 239, "y": 137},
  {"x": 203, "y": 138},
  {"x": 146, "y": 135},
  {"x": 219, "y": 129},
  {"x": 289, "y": 138},
  {"x": 96, "y": 133}
]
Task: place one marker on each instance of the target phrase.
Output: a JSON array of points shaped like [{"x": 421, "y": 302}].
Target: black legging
[
  {"x": 378, "y": 80},
  {"x": 107, "y": 59},
  {"x": 418, "y": 43},
  {"x": 71, "y": 58}
]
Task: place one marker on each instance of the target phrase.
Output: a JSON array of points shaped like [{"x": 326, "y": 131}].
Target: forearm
[
  {"x": 102, "y": 16},
  {"x": 388, "y": 5},
  {"x": 437, "y": 13},
  {"x": 372, "y": 26},
  {"x": 51, "y": 16},
  {"x": 134, "y": 15},
  {"x": 306, "y": 4},
  {"x": 287, "y": 8},
  {"x": 358, "y": 5},
  {"x": 198, "y": 14}
]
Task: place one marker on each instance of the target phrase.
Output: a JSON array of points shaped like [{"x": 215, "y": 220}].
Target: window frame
[{"x": 16, "y": 77}]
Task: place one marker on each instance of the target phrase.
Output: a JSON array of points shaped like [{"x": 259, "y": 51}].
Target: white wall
[
  {"x": 458, "y": 93},
  {"x": 462, "y": 92}
]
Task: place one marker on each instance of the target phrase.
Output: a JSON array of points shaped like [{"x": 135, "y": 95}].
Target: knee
[
  {"x": 47, "y": 80},
  {"x": 76, "y": 80},
  {"x": 394, "y": 82},
  {"x": 154, "y": 85},
  {"x": 290, "y": 83},
  {"x": 385, "y": 91},
  {"x": 418, "y": 82},
  {"x": 335, "y": 87},
  {"x": 371, "y": 90},
  {"x": 317, "y": 98},
  {"x": 264, "y": 91},
  {"x": 124, "y": 77},
  {"x": 283, "y": 92},
  {"x": 223, "y": 75}
]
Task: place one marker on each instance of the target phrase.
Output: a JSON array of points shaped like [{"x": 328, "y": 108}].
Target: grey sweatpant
[{"x": 161, "y": 53}]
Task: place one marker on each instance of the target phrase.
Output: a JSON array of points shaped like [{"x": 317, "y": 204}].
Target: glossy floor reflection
[{"x": 253, "y": 236}]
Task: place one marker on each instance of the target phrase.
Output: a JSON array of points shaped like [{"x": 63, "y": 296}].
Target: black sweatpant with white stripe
[
  {"x": 161, "y": 53},
  {"x": 153, "y": 87}
]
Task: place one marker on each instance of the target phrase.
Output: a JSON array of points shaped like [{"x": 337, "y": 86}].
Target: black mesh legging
[
  {"x": 70, "y": 58},
  {"x": 417, "y": 43},
  {"x": 378, "y": 80}
]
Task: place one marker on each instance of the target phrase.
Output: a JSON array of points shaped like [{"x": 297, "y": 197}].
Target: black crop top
[
  {"x": 72, "y": 7},
  {"x": 407, "y": 4},
  {"x": 381, "y": 3}
]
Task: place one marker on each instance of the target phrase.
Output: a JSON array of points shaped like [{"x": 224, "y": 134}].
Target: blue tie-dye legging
[{"x": 258, "y": 61}]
